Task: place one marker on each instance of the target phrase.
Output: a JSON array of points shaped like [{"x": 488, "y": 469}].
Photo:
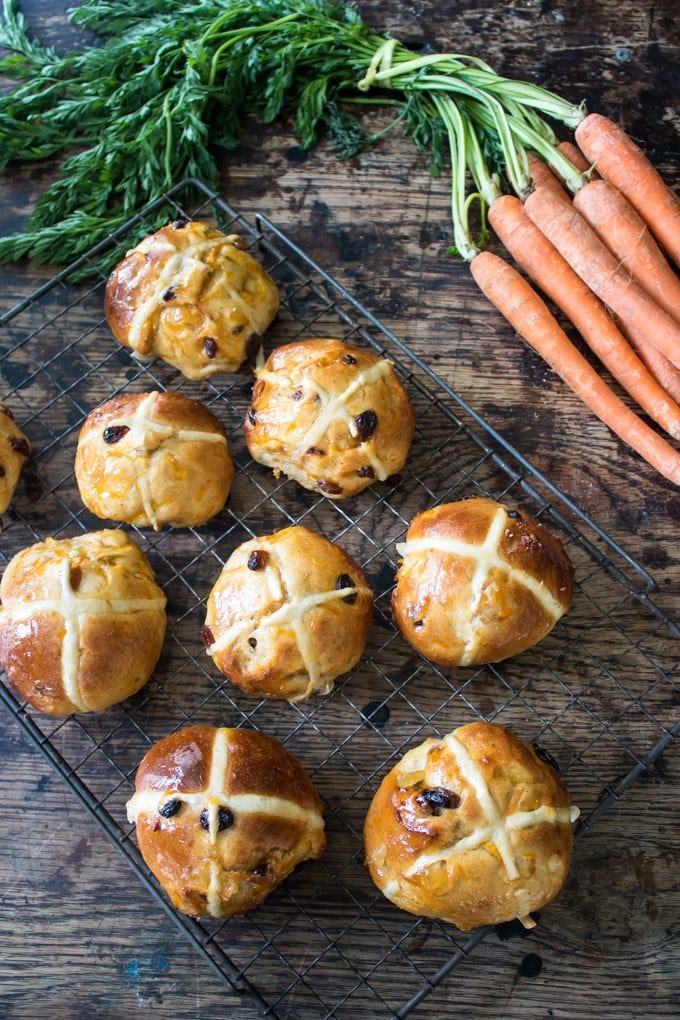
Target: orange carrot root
[
  {"x": 541, "y": 174},
  {"x": 658, "y": 365},
  {"x": 620, "y": 161},
  {"x": 627, "y": 236},
  {"x": 528, "y": 314},
  {"x": 546, "y": 267},
  {"x": 600, "y": 270}
]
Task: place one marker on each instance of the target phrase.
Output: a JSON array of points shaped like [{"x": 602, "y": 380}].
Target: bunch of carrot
[
  {"x": 604, "y": 258},
  {"x": 601, "y": 256}
]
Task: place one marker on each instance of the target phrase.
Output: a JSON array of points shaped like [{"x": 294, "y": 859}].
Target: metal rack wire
[{"x": 599, "y": 694}]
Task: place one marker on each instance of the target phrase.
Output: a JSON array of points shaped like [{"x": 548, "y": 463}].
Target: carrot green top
[{"x": 167, "y": 90}]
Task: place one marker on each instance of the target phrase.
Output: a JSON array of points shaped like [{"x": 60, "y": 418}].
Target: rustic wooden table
[{"x": 78, "y": 936}]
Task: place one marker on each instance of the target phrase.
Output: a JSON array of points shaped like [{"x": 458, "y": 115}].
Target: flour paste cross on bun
[
  {"x": 82, "y": 622},
  {"x": 472, "y": 828},
  {"x": 223, "y": 816},
  {"x": 479, "y": 582}
]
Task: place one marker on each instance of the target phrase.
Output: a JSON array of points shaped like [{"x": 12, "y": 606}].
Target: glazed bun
[
  {"x": 194, "y": 297},
  {"x": 473, "y": 828},
  {"x": 479, "y": 582},
  {"x": 14, "y": 450},
  {"x": 152, "y": 459},
  {"x": 288, "y": 614},
  {"x": 333, "y": 417},
  {"x": 82, "y": 622},
  {"x": 223, "y": 816}
]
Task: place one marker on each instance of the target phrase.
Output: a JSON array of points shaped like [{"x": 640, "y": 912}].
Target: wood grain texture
[{"x": 79, "y": 937}]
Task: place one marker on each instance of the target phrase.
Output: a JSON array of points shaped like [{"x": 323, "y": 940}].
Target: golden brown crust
[
  {"x": 193, "y": 296},
  {"x": 242, "y": 815},
  {"x": 153, "y": 459},
  {"x": 473, "y": 828},
  {"x": 14, "y": 451},
  {"x": 334, "y": 417},
  {"x": 82, "y": 622},
  {"x": 288, "y": 614},
  {"x": 479, "y": 583}
]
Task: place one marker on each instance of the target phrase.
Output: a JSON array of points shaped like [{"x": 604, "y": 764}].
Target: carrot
[
  {"x": 620, "y": 161},
  {"x": 595, "y": 264},
  {"x": 658, "y": 365},
  {"x": 535, "y": 254},
  {"x": 516, "y": 299},
  {"x": 626, "y": 234},
  {"x": 576, "y": 157},
  {"x": 541, "y": 174}
]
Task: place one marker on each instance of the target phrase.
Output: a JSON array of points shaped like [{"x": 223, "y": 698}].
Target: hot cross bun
[
  {"x": 14, "y": 449},
  {"x": 152, "y": 459},
  {"x": 479, "y": 582},
  {"x": 288, "y": 614},
  {"x": 223, "y": 816},
  {"x": 82, "y": 622},
  {"x": 334, "y": 417},
  {"x": 473, "y": 828},
  {"x": 194, "y": 297}
]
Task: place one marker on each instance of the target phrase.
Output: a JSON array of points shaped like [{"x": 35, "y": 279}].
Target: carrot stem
[
  {"x": 457, "y": 136},
  {"x": 577, "y": 159},
  {"x": 524, "y": 137}
]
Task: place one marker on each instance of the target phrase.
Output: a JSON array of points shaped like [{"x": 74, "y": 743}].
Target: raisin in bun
[
  {"x": 194, "y": 297},
  {"x": 223, "y": 817},
  {"x": 152, "y": 459},
  {"x": 473, "y": 828},
  {"x": 479, "y": 582},
  {"x": 334, "y": 417},
  {"x": 14, "y": 449},
  {"x": 82, "y": 622},
  {"x": 288, "y": 614}
]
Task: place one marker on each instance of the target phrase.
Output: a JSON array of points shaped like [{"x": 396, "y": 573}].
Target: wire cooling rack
[{"x": 599, "y": 694}]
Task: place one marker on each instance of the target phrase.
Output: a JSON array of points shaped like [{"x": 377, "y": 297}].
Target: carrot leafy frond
[{"x": 170, "y": 84}]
